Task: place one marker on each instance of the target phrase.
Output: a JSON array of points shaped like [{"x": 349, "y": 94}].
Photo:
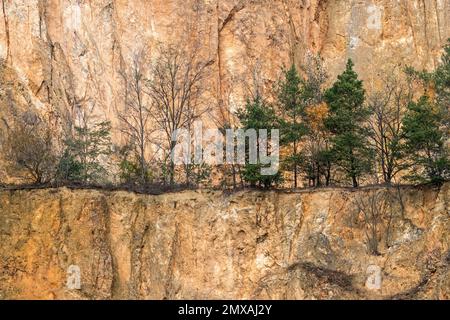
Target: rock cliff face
[
  {"x": 60, "y": 53},
  {"x": 269, "y": 245},
  {"x": 65, "y": 51}
]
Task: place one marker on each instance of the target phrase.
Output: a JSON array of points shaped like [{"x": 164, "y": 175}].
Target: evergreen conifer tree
[{"x": 346, "y": 122}]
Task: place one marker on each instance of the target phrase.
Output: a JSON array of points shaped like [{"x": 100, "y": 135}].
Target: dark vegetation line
[{"x": 159, "y": 189}]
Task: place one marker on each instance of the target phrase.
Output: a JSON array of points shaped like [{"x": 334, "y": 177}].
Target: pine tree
[
  {"x": 426, "y": 126},
  {"x": 258, "y": 115},
  {"x": 346, "y": 119},
  {"x": 436, "y": 84},
  {"x": 293, "y": 108},
  {"x": 425, "y": 141}
]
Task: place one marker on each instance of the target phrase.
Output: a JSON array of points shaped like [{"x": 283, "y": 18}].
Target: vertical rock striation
[
  {"x": 68, "y": 50},
  {"x": 206, "y": 245}
]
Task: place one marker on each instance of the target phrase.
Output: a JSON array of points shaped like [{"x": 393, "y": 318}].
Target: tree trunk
[
  {"x": 353, "y": 170},
  {"x": 295, "y": 165},
  {"x": 355, "y": 181},
  {"x": 171, "y": 165},
  {"x": 234, "y": 176},
  {"x": 188, "y": 171},
  {"x": 143, "y": 167}
]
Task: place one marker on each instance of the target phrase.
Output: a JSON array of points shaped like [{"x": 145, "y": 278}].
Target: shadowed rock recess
[{"x": 209, "y": 244}]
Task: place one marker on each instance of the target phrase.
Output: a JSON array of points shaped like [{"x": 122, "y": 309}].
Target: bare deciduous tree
[
  {"x": 316, "y": 154},
  {"x": 387, "y": 106},
  {"x": 374, "y": 207},
  {"x": 381, "y": 210},
  {"x": 225, "y": 118},
  {"x": 136, "y": 113},
  {"x": 29, "y": 147},
  {"x": 176, "y": 88}
]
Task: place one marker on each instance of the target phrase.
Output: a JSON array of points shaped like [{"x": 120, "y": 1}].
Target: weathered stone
[
  {"x": 268, "y": 245},
  {"x": 63, "y": 49}
]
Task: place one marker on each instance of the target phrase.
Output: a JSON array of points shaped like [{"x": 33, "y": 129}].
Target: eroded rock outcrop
[{"x": 208, "y": 244}]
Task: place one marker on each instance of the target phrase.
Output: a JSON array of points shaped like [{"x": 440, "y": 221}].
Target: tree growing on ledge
[
  {"x": 346, "y": 119},
  {"x": 258, "y": 115},
  {"x": 426, "y": 125},
  {"x": 436, "y": 84},
  {"x": 176, "y": 89},
  {"x": 425, "y": 142},
  {"x": 134, "y": 118},
  {"x": 82, "y": 158},
  {"x": 29, "y": 147},
  {"x": 316, "y": 157},
  {"x": 387, "y": 106},
  {"x": 293, "y": 108}
]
